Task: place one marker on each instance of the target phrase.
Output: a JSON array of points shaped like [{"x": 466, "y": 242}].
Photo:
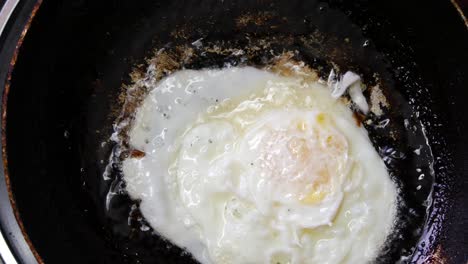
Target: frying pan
[{"x": 64, "y": 66}]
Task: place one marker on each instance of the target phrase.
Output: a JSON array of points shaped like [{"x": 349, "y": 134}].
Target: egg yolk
[{"x": 303, "y": 160}]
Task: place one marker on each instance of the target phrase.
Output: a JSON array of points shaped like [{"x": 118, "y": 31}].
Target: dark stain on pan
[
  {"x": 3, "y": 132},
  {"x": 85, "y": 216}
]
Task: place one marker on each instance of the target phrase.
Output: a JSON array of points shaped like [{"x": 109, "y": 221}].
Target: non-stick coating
[{"x": 71, "y": 67}]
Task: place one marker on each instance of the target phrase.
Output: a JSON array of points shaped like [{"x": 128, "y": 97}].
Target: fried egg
[{"x": 242, "y": 165}]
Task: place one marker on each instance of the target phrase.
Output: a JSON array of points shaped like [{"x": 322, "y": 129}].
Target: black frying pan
[{"x": 61, "y": 84}]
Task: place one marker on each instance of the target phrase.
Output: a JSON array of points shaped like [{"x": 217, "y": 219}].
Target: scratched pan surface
[{"x": 77, "y": 56}]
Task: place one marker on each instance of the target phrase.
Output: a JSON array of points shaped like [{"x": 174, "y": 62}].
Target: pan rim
[{"x": 16, "y": 20}]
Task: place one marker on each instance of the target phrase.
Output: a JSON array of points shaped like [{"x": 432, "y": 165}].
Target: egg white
[{"x": 246, "y": 166}]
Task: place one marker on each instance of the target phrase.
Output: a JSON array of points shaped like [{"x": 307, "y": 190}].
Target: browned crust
[
  {"x": 359, "y": 118},
  {"x": 286, "y": 65},
  {"x": 378, "y": 100},
  {"x": 137, "y": 154},
  {"x": 4, "y": 141}
]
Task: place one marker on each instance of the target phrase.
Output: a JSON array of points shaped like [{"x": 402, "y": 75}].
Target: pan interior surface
[{"x": 76, "y": 66}]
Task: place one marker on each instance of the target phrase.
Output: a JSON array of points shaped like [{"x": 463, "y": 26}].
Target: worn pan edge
[{"x": 4, "y": 156}]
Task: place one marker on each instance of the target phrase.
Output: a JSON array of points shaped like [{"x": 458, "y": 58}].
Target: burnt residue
[
  {"x": 255, "y": 19},
  {"x": 359, "y": 118},
  {"x": 137, "y": 154}
]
